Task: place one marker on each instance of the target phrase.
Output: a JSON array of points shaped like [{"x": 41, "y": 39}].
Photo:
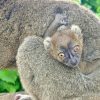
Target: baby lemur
[{"x": 64, "y": 44}]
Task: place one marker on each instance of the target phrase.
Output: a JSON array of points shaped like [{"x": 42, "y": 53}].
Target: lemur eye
[
  {"x": 61, "y": 55},
  {"x": 76, "y": 48}
]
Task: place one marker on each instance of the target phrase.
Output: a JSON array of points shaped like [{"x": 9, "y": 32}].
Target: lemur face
[{"x": 66, "y": 46}]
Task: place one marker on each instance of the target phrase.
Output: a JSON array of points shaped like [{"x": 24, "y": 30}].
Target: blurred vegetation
[
  {"x": 94, "y": 5},
  {"x": 9, "y": 79}
]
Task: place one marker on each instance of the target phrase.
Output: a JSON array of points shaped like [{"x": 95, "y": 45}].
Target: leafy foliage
[
  {"x": 9, "y": 81},
  {"x": 94, "y": 5}
]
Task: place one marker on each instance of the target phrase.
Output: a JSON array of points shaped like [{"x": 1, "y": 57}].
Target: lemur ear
[
  {"x": 47, "y": 43},
  {"x": 77, "y": 30}
]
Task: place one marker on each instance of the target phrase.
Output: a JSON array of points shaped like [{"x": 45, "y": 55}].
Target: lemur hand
[
  {"x": 22, "y": 97},
  {"x": 61, "y": 19}
]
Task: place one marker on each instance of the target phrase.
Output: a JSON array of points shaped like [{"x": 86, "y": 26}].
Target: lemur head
[{"x": 66, "y": 45}]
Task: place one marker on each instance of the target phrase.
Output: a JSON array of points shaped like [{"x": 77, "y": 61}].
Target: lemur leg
[
  {"x": 89, "y": 67},
  {"x": 58, "y": 24},
  {"x": 60, "y": 19}
]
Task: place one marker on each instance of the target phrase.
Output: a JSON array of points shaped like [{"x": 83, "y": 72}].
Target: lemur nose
[{"x": 73, "y": 62}]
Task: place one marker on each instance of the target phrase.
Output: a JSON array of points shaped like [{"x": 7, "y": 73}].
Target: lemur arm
[{"x": 60, "y": 19}]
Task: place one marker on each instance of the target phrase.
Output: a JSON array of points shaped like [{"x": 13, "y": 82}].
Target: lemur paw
[
  {"x": 46, "y": 43},
  {"x": 61, "y": 19},
  {"x": 22, "y": 97}
]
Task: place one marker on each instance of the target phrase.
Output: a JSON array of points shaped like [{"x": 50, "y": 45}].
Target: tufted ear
[
  {"x": 77, "y": 30},
  {"x": 47, "y": 43}
]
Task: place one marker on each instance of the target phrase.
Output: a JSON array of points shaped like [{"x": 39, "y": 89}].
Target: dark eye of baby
[{"x": 61, "y": 54}]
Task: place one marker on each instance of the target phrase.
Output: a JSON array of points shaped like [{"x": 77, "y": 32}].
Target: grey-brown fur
[
  {"x": 21, "y": 18},
  {"x": 48, "y": 79},
  {"x": 84, "y": 97}
]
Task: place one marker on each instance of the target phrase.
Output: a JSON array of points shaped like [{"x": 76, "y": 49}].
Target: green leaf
[
  {"x": 9, "y": 81},
  {"x": 98, "y": 10},
  {"x": 98, "y": 2},
  {"x": 8, "y": 75},
  {"x": 4, "y": 86},
  {"x": 98, "y": 14},
  {"x": 88, "y": 6}
]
